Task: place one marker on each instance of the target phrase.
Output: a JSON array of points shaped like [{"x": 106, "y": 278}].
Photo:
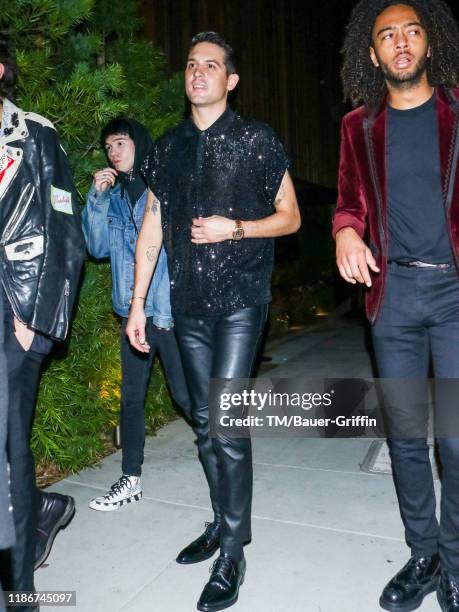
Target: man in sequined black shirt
[
  {"x": 232, "y": 168},
  {"x": 220, "y": 194}
]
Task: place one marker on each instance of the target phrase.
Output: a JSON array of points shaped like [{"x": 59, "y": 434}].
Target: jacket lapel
[
  {"x": 13, "y": 128},
  {"x": 378, "y": 141},
  {"x": 375, "y": 142},
  {"x": 446, "y": 114},
  {"x": 376, "y": 145}
]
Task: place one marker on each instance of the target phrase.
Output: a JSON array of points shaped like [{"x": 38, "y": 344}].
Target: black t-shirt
[
  {"x": 233, "y": 169},
  {"x": 416, "y": 213}
]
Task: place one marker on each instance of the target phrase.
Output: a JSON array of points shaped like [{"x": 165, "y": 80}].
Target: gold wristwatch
[{"x": 238, "y": 233}]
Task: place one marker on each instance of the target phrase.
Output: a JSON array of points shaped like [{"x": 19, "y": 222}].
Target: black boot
[
  {"x": 55, "y": 511},
  {"x": 222, "y": 590},
  {"x": 448, "y": 593},
  {"x": 411, "y": 584},
  {"x": 202, "y": 548}
]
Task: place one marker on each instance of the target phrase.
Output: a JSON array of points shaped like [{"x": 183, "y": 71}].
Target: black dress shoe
[
  {"x": 55, "y": 512},
  {"x": 202, "y": 548},
  {"x": 411, "y": 584},
  {"x": 448, "y": 593},
  {"x": 222, "y": 590}
]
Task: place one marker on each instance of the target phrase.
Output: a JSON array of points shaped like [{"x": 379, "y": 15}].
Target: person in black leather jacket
[{"x": 41, "y": 254}]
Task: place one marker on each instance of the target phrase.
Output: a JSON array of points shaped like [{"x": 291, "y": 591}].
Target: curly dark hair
[
  {"x": 8, "y": 59},
  {"x": 363, "y": 82}
]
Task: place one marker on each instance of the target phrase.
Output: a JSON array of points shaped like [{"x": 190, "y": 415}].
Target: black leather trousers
[{"x": 222, "y": 347}]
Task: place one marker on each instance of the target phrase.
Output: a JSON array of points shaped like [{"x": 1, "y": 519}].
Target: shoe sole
[
  {"x": 217, "y": 608},
  {"x": 414, "y": 604},
  {"x": 111, "y": 507},
  {"x": 65, "y": 519},
  {"x": 207, "y": 556}
]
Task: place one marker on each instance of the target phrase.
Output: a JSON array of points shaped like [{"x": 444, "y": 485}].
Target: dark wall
[{"x": 289, "y": 65}]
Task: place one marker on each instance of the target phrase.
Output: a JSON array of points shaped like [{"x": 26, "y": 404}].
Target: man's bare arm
[
  {"x": 286, "y": 220},
  {"x": 146, "y": 255},
  {"x": 152, "y": 204}
]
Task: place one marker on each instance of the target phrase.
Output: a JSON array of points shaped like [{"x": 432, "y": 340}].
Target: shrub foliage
[{"x": 81, "y": 63}]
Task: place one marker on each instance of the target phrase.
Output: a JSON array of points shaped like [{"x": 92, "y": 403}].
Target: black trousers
[
  {"x": 23, "y": 379},
  {"x": 136, "y": 368},
  {"x": 419, "y": 317},
  {"x": 222, "y": 347}
]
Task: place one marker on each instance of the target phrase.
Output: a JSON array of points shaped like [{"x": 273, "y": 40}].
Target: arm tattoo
[
  {"x": 155, "y": 205},
  {"x": 280, "y": 194},
  {"x": 152, "y": 253}
]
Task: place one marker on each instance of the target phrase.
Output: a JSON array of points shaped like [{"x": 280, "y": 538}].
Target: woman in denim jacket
[{"x": 111, "y": 220}]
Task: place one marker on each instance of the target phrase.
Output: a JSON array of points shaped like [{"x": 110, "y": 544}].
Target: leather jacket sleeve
[{"x": 63, "y": 239}]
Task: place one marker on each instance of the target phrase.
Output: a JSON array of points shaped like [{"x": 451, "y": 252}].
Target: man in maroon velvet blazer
[{"x": 397, "y": 232}]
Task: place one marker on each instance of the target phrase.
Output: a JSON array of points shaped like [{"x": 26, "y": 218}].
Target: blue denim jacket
[{"x": 110, "y": 232}]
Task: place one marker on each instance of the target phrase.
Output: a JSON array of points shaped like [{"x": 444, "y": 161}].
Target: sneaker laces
[{"x": 118, "y": 487}]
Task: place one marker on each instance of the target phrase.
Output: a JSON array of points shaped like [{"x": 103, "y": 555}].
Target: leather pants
[{"x": 222, "y": 347}]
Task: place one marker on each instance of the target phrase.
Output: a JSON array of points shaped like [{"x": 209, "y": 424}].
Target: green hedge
[
  {"x": 81, "y": 63},
  {"x": 78, "y": 402}
]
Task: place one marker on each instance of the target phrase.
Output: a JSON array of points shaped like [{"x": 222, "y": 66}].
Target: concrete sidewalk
[{"x": 326, "y": 536}]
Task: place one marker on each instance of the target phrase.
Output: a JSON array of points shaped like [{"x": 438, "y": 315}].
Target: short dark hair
[
  {"x": 363, "y": 82},
  {"x": 119, "y": 125},
  {"x": 217, "y": 39},
  {"x": 8, "y": 59}
]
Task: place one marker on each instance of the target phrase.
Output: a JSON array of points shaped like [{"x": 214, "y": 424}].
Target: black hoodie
[{"x": 132, "y": 182}]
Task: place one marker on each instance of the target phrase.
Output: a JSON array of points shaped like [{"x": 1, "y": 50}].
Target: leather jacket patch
[
  {"x": 5, "y": 162},
  {"x": 61, "y": 200},
  {"x": 25, "y": 249}
]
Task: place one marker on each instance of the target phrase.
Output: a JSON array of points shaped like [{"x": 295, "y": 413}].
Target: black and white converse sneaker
[{"x": 125, "y": 490}]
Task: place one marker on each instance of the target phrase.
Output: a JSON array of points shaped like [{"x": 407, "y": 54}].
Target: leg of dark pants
[
  {"x": 444, "y": 339},
  {"x": 23, "y": 379},
  {"x": 194, "y": 337},
  {"x": 402, "y": 352},
  {"x": 222, "y": 347},
  {"x": 236, "y": 340},
  {"x": 449, "y": 521},
  {"x": 171, "y": 359},
  {"x": 135, "y": 368}
]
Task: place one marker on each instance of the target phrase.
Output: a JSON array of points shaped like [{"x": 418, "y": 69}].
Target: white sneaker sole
[{"x": 110, "y": 507}]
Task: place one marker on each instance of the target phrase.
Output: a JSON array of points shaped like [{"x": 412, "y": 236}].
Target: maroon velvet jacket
[{"x": 362, "y": 186}]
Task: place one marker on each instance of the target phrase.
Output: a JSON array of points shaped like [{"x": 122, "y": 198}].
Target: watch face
[{"x": 238, "y": 233}]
